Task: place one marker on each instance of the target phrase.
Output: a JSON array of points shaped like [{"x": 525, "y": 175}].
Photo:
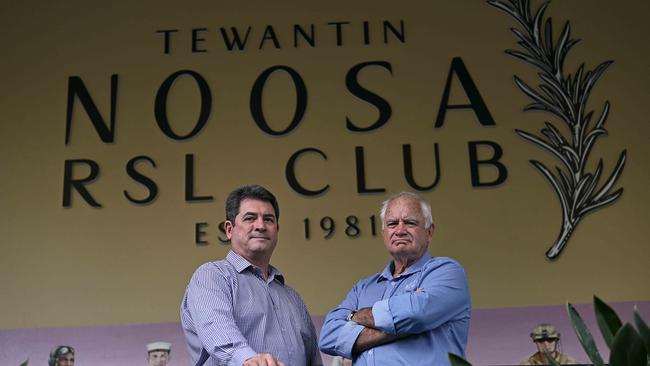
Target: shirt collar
[
  {"x": 387, "y": 273},
  {"x": 241, "y": 264}
]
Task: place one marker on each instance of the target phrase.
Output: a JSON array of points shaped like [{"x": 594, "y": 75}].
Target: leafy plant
[
  {"x": 25, "y": 363},
  {"x": 629, "y": 346},
  {"x": 565, "y": 97},
  {"x": 457, "y": 360}
]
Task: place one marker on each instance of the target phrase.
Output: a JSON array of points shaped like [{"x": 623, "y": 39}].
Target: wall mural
[{"x": 565, "y": 96}]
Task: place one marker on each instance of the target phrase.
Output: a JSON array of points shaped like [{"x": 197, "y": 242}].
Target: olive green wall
[{"x": 126, "y": 263}]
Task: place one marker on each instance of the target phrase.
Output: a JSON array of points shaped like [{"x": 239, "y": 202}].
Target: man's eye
[
  {"x": 391, "y": 224},
  {"x": 269, "y": 219}
]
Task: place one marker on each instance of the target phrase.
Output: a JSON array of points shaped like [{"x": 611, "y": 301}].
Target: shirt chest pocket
[{"x": 405, "y": 286}]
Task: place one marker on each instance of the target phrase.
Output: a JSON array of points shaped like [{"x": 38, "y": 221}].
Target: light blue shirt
[
  {"x": 231, "y": 312},
  {"x": 429, "y": 301}
]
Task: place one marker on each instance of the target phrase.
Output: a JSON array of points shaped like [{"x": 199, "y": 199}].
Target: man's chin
[
  {"x": 401, "y": 247},
  {"x": 401, "y": 251},
  {"x": 261, "y": 246}
]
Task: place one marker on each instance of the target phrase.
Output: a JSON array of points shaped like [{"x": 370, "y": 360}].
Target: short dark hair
[{"x": 251, "y": 191}]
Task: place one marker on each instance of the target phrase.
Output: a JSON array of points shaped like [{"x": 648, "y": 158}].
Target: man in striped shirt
[{"x": 238, "y": 311}]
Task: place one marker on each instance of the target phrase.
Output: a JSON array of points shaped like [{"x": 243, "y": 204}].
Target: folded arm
[
  {"x": 349, "y": 338},
  {"x": 442, "y": 296}
]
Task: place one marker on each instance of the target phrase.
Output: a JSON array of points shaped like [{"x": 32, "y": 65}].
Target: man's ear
[{"x": 228, "y": 227}]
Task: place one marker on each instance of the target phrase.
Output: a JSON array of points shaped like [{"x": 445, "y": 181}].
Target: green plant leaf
[
  {"x": 608, "y": 322},
  {"x": 627, "y": 348},
  {"x": 643, "y": 328},
  {"x": 550, "y": 359},
  {"x": 584, "y": 336},
  {"x": 456, "y": 360},
  {"x": 25, "y": 363}
]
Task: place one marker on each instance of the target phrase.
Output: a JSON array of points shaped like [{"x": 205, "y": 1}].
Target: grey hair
[{"x": 425, "y": 207}]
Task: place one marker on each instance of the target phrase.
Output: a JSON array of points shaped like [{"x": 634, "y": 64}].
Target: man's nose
[
  {"x": 400, "y": 229},
  {"x": 259, "y": 224}
]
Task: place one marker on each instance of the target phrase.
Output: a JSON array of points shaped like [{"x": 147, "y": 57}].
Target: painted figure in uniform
[
  {"x": 547, "y": 338},
  {"x": 158, "y": 353},
  {"x": 61, "y": 356}
]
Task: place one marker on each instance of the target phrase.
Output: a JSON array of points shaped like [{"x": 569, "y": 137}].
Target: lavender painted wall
[
  {"x": 96, "y": 346},
  {"x": 497, "y": 337},
  {"x": 500, "y": 336}
]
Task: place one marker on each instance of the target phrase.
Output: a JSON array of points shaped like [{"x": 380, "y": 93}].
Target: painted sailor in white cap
[{"x": 158, "y": 353}]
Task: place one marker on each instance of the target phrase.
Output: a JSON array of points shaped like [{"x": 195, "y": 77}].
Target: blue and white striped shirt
[{"x": 233, "y": 313}]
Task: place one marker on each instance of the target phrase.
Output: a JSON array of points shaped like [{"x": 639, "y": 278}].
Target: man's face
[
  {"x": 158, "y": 358},
  {"x": 403, "y": 230},
  {"x": 546, "y": 344},
  {"x": 255, "y": 230},
  {"x": 65, "y": 360}
]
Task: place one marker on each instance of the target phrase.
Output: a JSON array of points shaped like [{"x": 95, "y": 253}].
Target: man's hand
[
  {"x": 262, "y": 359},
  {"x": 364, "y": 317},
  {"x": 370, "y": 336}
]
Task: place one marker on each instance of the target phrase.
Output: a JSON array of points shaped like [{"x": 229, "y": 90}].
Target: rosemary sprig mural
[{"x": 565, "y": 97}]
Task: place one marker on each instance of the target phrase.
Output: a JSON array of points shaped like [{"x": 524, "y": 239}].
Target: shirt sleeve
[
  {"x": 210, "y": 302},
  {"x": 442, "y": 296},
  {"x": 310, "y": 340},
  {"x": 338, "y": 335},
  {"x": 313, "y": 354}
]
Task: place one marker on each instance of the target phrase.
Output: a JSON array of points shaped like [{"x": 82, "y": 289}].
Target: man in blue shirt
[
  {"x": 238, "y": 311},
  {"x": 415, "y": 311}
]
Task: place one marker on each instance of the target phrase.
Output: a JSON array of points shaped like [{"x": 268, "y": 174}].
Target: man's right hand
[{"x": 262, "y": 359}]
